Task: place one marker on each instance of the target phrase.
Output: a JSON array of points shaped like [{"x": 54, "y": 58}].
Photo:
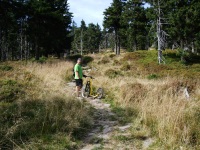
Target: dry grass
[
  {"x": 53, "y": 76},
  {"x": 37, "y": 110},
  {"x": 162, "y": 103}
]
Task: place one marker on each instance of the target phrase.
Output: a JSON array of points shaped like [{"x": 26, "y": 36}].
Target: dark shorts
[{"x": 79, "y": 82}]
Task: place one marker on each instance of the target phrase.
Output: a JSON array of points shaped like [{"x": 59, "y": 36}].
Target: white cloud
[{"x": 91, "y": 11}]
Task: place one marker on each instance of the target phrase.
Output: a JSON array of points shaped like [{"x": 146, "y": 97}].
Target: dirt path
[{"x": 107, "y": 133}]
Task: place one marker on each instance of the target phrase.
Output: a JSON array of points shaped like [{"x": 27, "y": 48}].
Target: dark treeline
[
  {"x": 32, "y": 28},
  {"x": 135, "y": 28},
  {"x": 35, "y": 28}
]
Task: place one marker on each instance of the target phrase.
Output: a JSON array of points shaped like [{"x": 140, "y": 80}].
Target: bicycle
[{"x": 87, "y": 89}]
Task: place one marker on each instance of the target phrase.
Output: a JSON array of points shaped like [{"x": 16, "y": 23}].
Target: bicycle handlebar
[{"x": 89, "y": 77}]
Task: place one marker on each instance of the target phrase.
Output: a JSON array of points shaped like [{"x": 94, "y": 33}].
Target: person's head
[{"x": 79, "y": 61}]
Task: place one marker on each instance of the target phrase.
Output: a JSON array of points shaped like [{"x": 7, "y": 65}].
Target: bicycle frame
[
  {"x": 89, "y": 82},
  {"x": 88, "y": 90}
]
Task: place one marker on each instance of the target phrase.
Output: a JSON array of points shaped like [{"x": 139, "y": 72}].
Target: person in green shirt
[{"x": 78, "y": 76}]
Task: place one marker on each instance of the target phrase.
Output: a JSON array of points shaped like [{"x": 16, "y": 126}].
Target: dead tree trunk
[{"x": 158, "y": 34}]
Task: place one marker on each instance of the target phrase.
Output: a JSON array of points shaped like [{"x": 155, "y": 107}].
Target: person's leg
[
  {"x": 77, "y": 90},
  {"x": 79, "y": 84}
]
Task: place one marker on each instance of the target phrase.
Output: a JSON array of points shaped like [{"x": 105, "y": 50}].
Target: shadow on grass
[{"x": 189, "y": 60}]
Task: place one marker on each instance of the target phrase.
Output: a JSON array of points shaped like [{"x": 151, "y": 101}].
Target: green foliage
[
  {"x": 116, "y": 62},
  {"x": 126, "y": 67},
  {"x": 135, "y": 25},
  {"x": 112, "y": 73},
  {"x": 6, "y": 68},
  {"x": 125, "y": 115},
  {"x": 85, "y": 59},
  {"x": 45, "y": 24},
  {"x": 42, "y": 59},
  {"x": 112, "y": 55},
  {"x": 152, "y": 76},
  {"x": 42, "y": 119},
  {"x": 145, "y": 63},
  {"x": 10, "y": 90},
  {"x": 73, "y": 58},
  {"x": 184, "y": 55},
  {"x": 90, "y": 38},
  {"x": 112, "y": 21},
  {"x": 104, "y": 60}
]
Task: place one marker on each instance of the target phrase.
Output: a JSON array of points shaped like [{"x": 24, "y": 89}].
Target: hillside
[{"x": 38, "y": 110}]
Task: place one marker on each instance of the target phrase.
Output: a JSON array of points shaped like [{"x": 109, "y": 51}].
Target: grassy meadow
[
  {"x": 38, "y": 111},
  {"x": 156, "y": 93}
]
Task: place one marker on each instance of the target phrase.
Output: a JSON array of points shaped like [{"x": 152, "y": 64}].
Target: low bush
[
  {"x": 126, "y": 67},
  {"x": 25, "y": 121},
  {"x": 87, "y": 59},
  {"x": 104, "y": 60},
  {"x": 152, "y": 76},
  {"x": 112, "y": 73},
  {"x": 6, "y": 68},
  {"x": 10, "y": 90},
  {"x": 112, "y": 55}
]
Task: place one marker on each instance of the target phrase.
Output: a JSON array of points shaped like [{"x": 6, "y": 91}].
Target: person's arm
[{"x": 77, "y": 74}]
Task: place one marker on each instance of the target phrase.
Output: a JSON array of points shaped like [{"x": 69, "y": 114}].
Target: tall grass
[
  {"x": 28, "y": 122},
  {"x": 162, "y": 104},
  {"x": 36, "y": 109}
]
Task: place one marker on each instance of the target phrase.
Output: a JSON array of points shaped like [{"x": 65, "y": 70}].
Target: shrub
[
  {"x": 87, "y": 59},
  {"x": 126, "y": 67},
  {"x": 112, "y": 73},
  {"x": 112, "y": 55},
  {"x": 184, "y": 55},
  {"x": 133, "y": 56},
  {"x": 6, "y": 68},
  {"x": 9, "y": 90},
  {"x": 73, "y": 58},
  {"x": 42, "y": 59},
  {"x": 116, "y": 62},
  {"x": 26, "y": 120},
  {"x": 104, "y": 60},
  {"x": 152, "y": 76}
]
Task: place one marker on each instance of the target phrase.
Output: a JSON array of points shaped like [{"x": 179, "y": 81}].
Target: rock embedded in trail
[{"x": 123, "y": 128}]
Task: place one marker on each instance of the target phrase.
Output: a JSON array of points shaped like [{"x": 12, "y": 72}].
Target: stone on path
[
  {"x": 123, "y": 128},
  {"x": 147, "y": 143}
]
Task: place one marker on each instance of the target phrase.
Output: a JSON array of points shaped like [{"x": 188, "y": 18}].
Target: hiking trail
[{"x": 107, "y": 133}]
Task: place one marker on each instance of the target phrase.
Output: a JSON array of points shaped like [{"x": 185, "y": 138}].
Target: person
[{"x": 78, "y": 76}]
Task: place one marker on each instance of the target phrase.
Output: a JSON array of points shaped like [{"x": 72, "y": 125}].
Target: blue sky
[{"x": 91, "y": 11}]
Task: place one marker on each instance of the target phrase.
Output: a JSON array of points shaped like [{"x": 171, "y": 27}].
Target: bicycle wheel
[
  {"x": 99, "y": 93},
  {"x": 85, "y": 91}
]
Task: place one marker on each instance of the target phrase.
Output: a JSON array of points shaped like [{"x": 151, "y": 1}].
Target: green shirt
[{"x": 78, "y": 68}]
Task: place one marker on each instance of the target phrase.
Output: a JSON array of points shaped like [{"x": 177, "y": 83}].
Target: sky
[{"x": 91, "y": 11}]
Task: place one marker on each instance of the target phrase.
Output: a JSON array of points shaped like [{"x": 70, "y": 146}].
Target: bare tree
[{"x": 161, "y": 34}]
